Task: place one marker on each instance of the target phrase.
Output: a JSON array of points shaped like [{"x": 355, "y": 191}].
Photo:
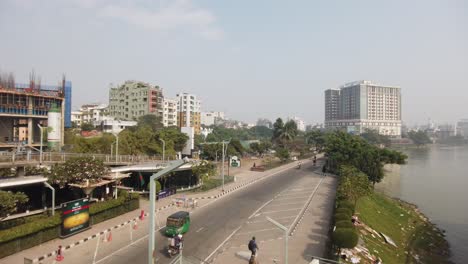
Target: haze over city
[{"x": 275, "y": 58}]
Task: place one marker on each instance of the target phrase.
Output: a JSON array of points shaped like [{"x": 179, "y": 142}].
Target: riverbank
[{"x": 397, "y": 232}]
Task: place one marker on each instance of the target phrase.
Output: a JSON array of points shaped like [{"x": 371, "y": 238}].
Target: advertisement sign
[
  {"x": 235, "y": 161},
  {"x": 75, "y": 217}
]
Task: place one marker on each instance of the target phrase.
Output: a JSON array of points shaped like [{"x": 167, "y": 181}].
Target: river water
[{"x": 436, "y": 180}]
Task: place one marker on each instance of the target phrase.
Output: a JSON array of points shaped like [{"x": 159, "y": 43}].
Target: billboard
[
  {"x": 75, "y": 217},
  {"x": 235, "y": 161}
]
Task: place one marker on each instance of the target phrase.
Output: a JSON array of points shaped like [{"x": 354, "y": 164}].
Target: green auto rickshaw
[{"x": 177, "y": 223}]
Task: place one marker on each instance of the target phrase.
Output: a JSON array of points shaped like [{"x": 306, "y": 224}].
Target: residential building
[
  {"x": 134, "y": 99},
  {"x": 94, "y": 113},
  {"x": 462, "y": 128},
  {"x": 332, "y": 97},
  {"x": 301, "y": 126},
  {"x": 169, "y": 112},
  {"x": 211, "y": 118},
  {"x": 363, "y": 105},
  {"x": 115, "y": 126},
  {"x": 24, "y": 108},
  {"x": 77, "y": 118},
  {"x": 188, "y": 108}
]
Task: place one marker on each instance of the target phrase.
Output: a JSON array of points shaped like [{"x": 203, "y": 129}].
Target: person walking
[{"x": 253, "y": 247}]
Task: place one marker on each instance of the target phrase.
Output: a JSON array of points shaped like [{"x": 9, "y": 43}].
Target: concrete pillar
[{"x": 30, "y": 131}]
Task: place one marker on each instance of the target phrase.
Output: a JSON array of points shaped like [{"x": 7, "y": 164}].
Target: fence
[{"x": 55, "y": 157}]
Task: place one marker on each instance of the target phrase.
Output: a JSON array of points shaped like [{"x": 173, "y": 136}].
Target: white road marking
[
  {"x": 220, "y": 245},
  {"x": 200, "y": 229},
  {"x": 292, "y": 198},
  {"x": 294, "y": 193},
  {"x": 279, "y": 211},
  {"x": 257, "y": 231},
  {"x": 276, "y": 218},
  {"x": 261, "y": 207},
  {"x": 122, "y": 248},
  {"x": 283, "y": 204}
]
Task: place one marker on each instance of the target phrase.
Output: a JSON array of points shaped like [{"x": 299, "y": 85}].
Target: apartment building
[
  {"x": 364, "y": 105},
  {"x": 170, "y": 112},
  {"x": 211, "y": 118},
  {"x": 134, "y": 99},
  {"x": 188, "y": 109}
]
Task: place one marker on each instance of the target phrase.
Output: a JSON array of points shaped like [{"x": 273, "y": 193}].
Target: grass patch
[{"x": 417, "y": 240}]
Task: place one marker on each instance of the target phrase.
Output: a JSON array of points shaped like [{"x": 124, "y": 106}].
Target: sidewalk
[{"x": 166, "y": 206}]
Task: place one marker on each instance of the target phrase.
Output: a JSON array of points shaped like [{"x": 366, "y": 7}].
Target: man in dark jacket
[{"x": 253, "y": 246}]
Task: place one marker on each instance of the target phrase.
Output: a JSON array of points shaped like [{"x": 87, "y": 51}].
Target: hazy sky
[{"x": 248, "y": 58}]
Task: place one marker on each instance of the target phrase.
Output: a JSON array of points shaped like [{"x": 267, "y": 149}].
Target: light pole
[
  {"x": 164, "y": 147},
  {"x": 40, "y": 152},
  {"x": 152, "y": 197},
  {"x": 224, "y": 154},
  {"x": 285, "y": 229}
]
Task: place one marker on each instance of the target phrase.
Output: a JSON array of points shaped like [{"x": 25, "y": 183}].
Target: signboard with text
[
  {"x": 235, "y": 161},
  {"x": 75, "y": 217}
]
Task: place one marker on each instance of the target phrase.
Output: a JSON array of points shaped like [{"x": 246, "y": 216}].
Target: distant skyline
[{"x": 250, "y": 59}]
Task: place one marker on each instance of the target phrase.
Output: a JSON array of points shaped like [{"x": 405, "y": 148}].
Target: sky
[{"x": 250, "y": 59}]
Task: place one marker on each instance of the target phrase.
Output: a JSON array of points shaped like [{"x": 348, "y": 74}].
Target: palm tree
[{"x": 288, "y": 132}]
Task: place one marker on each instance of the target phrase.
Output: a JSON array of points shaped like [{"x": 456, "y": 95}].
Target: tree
[
  {"x": 373, "y": 137},
  {"x": 77, "y": 170},
  {"x": 289, "y": 131},
  {"x": 9, "y": 202},
  {"x": 353, "y": 184},
  {"x": 87, "y": 127},
  {"x": 277, "y": 129},
  {"x": 419, "y": 138},
  {"x": 204, "y": 170},
  {"x": 153, "y": 121},
  {"x": 282, "y": 154}
]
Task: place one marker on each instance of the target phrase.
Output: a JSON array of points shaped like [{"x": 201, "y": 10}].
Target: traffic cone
[
  {"x": 59, "y": 256},
  {"x": 109, "y": 237},
  {"x": 142, "y": 215}
]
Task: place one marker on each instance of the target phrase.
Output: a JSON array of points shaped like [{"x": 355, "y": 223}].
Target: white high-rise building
[
  {"x": 169, "y": 112},
  {"x": 301, "y": 126},
  {"x": 211, "y": 118},
  {"x": 364, "y": 105}
]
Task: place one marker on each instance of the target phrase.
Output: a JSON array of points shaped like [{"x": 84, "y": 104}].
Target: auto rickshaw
[{"x": 177, "y": 223}]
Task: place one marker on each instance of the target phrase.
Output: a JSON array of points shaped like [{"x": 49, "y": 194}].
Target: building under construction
[{"x": 28, "y": 109}]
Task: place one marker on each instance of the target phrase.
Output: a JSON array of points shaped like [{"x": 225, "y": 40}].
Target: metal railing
[{"x": 57, "y": 157}]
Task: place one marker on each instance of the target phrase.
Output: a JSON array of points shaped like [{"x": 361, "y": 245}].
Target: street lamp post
[
  {"x": 285, "y": 229},
  {"x": 164, "y": 147},
  {"x": 152, "y": 197},
  {"x": 224, "y": 154},
  {"x": 40, "y": 152}
]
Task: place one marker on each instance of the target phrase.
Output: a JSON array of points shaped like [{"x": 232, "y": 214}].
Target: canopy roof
[{"x": 18, "y": 181}]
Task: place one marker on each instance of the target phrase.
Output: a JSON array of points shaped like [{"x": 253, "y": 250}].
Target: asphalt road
[{"x": 212, "y": 224}]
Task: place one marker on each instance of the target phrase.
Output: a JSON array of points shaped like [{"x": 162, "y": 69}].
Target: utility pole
[
  {"x": 40, "y": 152},
  {"x": 285, "y": 229},
  {"x": 164, "y": 147},
  {"x": 116, "y": 147},
  {"x": 152, "y": 197}
]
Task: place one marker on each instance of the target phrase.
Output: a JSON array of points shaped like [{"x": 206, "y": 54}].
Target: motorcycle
[{"x": 173, "y": 250}]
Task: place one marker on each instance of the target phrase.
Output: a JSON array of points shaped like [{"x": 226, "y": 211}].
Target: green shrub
[
  {"x": 40, "y": 223},
  {"x": 342, "y": 217},
  {"x": 346, "y": 204},
  {"x": 18, "y": 235},
  {"x": 345, "y": 237},
  {"x": 344, "y": 224},
  {"x": 345, "y": 211}
]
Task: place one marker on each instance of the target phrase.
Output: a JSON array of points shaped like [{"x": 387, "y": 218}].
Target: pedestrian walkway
[{"x": 123, "y": 226}]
